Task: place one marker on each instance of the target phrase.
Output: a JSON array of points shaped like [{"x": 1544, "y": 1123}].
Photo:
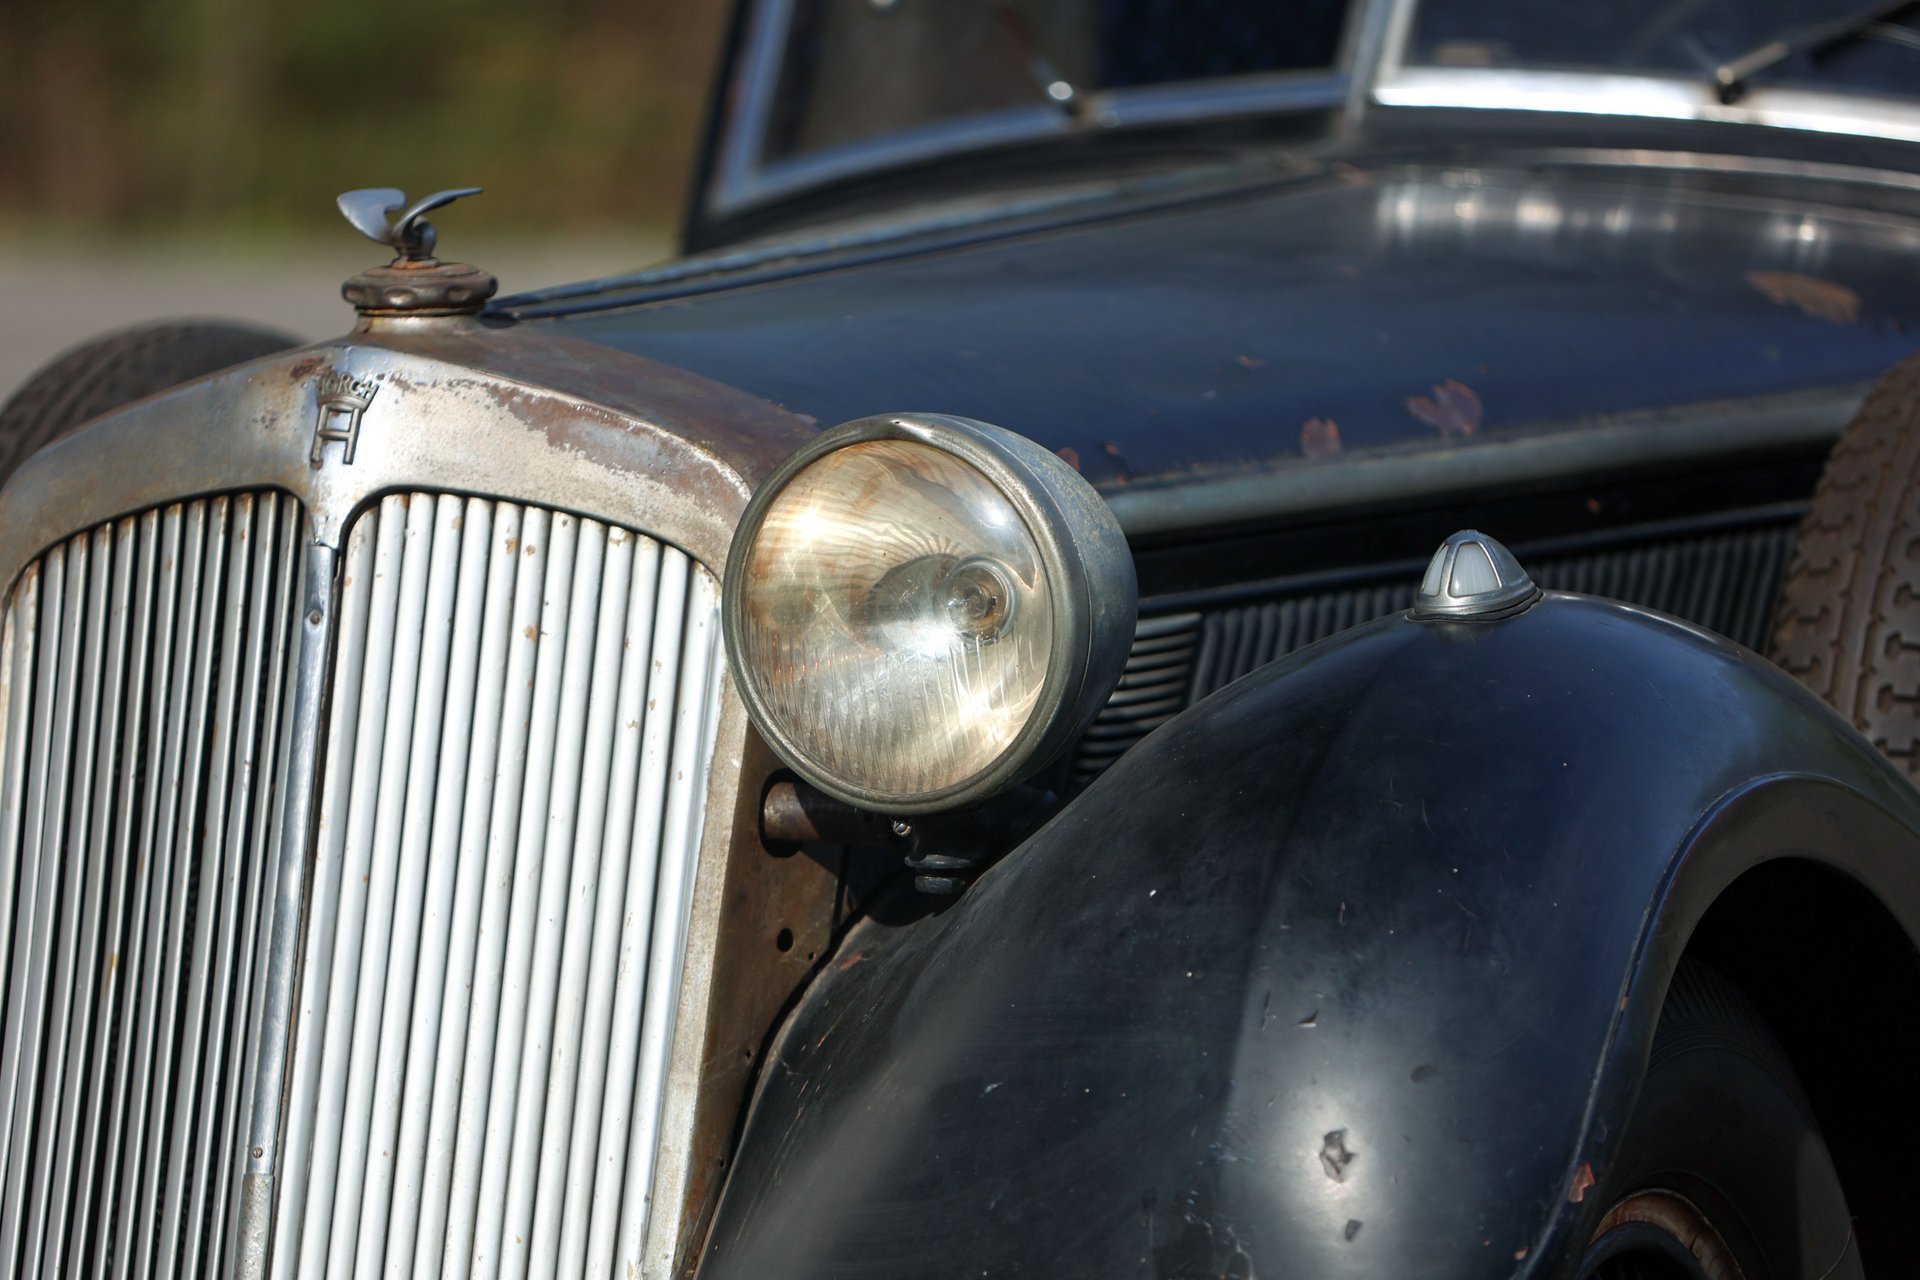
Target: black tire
[
  {"x": 1848, "y": 622},
  {"x": 117, "y": 369},
  {"x": 1722, "y": 1164}
]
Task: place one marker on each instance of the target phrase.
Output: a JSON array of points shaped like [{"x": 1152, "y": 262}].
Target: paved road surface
[{"x": 55, "y": 295}]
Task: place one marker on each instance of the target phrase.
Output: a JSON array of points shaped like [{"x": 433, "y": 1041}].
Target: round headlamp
[{"x": 921, "y": 610}]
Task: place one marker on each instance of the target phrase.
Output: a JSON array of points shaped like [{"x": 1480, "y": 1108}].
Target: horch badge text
[{"x": 341, "y": 399}]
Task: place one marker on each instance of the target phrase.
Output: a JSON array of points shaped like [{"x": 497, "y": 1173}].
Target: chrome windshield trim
[
  {"x": 1646, "y": 97},
  {"x": 1390, "y": 82},
  {"x": 741, "y": 181}
]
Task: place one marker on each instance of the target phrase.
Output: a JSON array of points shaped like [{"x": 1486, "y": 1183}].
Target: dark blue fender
[{"x": 1350, "y": 971}]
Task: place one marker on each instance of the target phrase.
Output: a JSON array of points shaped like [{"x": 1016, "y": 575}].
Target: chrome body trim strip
[{"x": 1647, "y": 97}]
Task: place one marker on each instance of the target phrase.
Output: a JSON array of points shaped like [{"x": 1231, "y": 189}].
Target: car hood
[{"x": 1284, "y": 334}]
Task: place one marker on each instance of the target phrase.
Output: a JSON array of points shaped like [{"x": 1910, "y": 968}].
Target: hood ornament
[{"x": 415, "y": 283}]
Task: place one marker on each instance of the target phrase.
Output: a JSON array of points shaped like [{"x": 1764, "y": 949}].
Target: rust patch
[
  {"x": 1069, "y": 455},
  {"x": 853, "y": 960},
  {"x": 303, "y": 368},
  {"x": 1820, "y": 299},
  {"x": 1582, "y": 1183},
  {"x": 1112, "y": 450},
  {"x": 1320, "y": 437},
  {"x": 1453, "y": 409},
  {"x": 1251, "y": 362}
]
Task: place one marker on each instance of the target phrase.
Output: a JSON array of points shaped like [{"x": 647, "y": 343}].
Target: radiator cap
[{"x": 1473, "y": 578}]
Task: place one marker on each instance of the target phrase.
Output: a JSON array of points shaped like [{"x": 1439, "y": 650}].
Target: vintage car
[{"x": 516, "y": 791}]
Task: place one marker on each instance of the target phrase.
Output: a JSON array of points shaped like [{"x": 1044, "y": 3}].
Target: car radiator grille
[
  {"x": 146, "y": 673},
  {"x": 1725, "y": 580},
  {"x": 512, "y": 796}
]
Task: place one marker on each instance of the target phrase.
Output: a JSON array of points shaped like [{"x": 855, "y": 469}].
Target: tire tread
[{"x": 1848, "y": 620}]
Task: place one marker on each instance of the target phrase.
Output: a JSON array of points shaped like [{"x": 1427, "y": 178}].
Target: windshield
[
  {"x": 852, "y": 70},
  {"x": 1687, "y": 39}
]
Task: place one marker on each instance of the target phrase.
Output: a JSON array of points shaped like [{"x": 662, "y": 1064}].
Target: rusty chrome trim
[
  {"x": 443, "y": 404},
  {"x": 462, "y": 407}
]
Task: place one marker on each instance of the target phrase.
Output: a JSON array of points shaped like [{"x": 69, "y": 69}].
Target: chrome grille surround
[
  {"x": 456, "y": 408},
  {"x": 146, "y": 665}
]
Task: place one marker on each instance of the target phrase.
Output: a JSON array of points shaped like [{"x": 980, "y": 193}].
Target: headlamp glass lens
[{"x": 896, "y": 617}]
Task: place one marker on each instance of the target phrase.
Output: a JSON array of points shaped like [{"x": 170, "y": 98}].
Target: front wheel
[{"x": 1722, "y": 1173}]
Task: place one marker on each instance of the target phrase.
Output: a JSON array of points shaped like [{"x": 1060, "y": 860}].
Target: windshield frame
[
  {"x": 1649, "y": 95},
  {"x": 738, "y": 180}
]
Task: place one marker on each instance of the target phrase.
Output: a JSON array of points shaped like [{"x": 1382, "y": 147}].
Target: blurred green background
[{"x": 168, "y": 157}]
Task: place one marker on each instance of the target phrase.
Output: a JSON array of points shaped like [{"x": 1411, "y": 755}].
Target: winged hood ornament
[
  {"x": 415, "y": 282},
  {"x": 410, "y": 235}
]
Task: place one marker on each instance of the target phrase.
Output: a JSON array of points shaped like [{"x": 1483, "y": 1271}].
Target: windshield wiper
[{"x": 1730, "y": 77}]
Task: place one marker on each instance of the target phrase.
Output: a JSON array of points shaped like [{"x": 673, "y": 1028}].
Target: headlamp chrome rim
[{"x": 1078, "y": 542}]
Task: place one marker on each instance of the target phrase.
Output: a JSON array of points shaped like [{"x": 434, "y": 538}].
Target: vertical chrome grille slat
[
  {"x": 67, "y": 1036},
  {"x": 183, "y": 531},
  {"x": 383, "y": 878},
  {"x": 199, "y": 617},
  {"x": 19, "y": 641},
  {"x": 80, "y": 1122},
  {"x": 517, "y": 973},
  {"x": 26, "y": 1003},
  {"x": 636, "y": 943},
  {"x": 323, "y": 910},
  {"x": 486, "y": 954},
  {"x": 124, "y": 666},
  {"x": 465, "y": 1148},
  {"x": 616, "y": 862},
  {"x": 454, "y": 868},
  {"x": 389, "y": 1004},
  {"x": 579, "y": 914},
  {"x": 694, "y": 719},
  {"x": 266, "y": 782},
  {"x": 215, "y": 880},
  {"x": 355, "y": 871},
  {"x": 557, "y": 849},
  {"x": 153, "y": 626},
  {"x": 23, "y": 637},
  {"x": 59, "y": 905},
  {"x": 542, "y": 752}
]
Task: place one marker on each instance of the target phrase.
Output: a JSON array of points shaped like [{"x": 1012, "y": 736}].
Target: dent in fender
[{"x": 1348, "y": 971}]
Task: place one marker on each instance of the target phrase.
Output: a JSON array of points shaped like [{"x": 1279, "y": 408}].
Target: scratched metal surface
[
  {"x": 1315, "y": 983},
  {"x": 1364, "y": 312}
]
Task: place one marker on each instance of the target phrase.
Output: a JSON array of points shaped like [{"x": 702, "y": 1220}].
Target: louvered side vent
[
  {"x": 516, "y": 763},
  {"x": 146, "y": 676},
  {"x": 1152, "y": 690},
  {"x": 1725, "y": 581}
]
